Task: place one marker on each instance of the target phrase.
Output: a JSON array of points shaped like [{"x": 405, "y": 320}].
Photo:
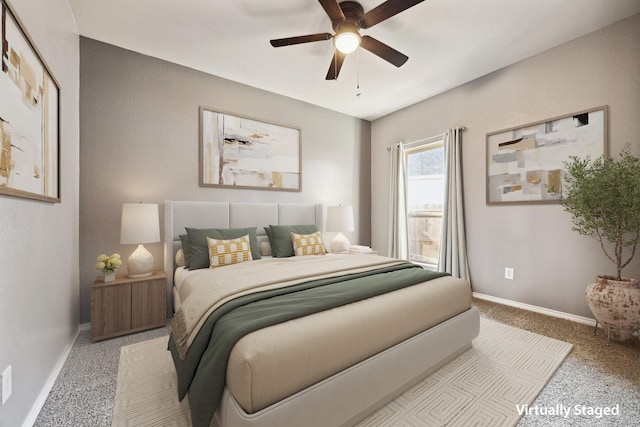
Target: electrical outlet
[
  {"x": 508, "y": 273},
  {"x": 5, "y": 389}
]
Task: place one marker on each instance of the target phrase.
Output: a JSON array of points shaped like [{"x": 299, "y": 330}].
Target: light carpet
[{"x": 488, "y": 385}]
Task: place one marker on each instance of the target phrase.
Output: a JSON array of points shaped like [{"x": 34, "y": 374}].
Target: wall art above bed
[
  {"x": 29, "y": 111},
  {"x": 525, "y": 163},
  {"x": 240, "y": 152}
]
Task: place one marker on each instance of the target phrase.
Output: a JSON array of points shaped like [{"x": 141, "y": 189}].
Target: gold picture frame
[
  {"x": 29, "y": 116},
  {"x": 242, "y": 152},
  {"x": 525, "y": 164}
]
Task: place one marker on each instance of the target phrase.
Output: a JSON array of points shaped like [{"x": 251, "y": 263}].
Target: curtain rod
[{"x": 460, "y": 128}]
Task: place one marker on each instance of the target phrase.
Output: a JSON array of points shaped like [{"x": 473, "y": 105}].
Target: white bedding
[
  {"x": 206, "y": 289},
  {"x": 179, "y": 276},
  {"x": 364, "y": 386},
  {"x": 182, "y": 277},
  {"x": 275, "y": 362}
]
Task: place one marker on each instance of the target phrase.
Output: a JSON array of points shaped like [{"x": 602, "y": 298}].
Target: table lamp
[
  {"x": 140, "y": 224},
  {"x": 340, "y": 218}
]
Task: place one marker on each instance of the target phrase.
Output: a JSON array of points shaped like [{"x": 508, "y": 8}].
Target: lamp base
[
  {"x": 138, "y": 276},
  {"x": 140, "y": 263},
  {"x": 340, "y": 244}
]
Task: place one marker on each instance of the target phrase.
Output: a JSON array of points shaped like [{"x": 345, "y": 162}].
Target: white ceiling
[{"x": 449, "y": 42}]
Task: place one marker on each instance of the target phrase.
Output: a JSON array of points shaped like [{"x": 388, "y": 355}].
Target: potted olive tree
[{"x": 603, "y": 197}]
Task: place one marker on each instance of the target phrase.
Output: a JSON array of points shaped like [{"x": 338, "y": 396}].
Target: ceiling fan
[{"x": 347, "y": 18}]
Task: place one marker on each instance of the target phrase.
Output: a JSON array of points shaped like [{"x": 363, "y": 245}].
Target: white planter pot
[{"x": 109, "y": 276}]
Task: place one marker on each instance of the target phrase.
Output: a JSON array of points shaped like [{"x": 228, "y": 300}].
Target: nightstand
[{"x": 128, "y": 305}]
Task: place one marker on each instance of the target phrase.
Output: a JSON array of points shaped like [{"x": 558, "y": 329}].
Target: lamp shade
[
  {"x": 140, "y": 223},
  {"x": 340, "y": 218}
]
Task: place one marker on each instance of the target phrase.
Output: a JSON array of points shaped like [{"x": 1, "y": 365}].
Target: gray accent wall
[
  {"x": 553, "y": 264},
  {"x": 39, "y": 302},
  {"x": 139, "y": 142}
]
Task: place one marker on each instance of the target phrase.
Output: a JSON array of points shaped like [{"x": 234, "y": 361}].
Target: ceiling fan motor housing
[{"x": 353, "y": 12}]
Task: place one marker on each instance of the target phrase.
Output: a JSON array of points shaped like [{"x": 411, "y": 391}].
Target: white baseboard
[
  {"x": 48, "y": 385},
  {"x": 536, "y": 309}
]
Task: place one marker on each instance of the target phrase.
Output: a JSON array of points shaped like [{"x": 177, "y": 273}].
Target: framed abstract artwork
[
  {"x": 525, "y": 164},
  {"x": 240, "y": 152},
  {"x": 29, "y": 117}
]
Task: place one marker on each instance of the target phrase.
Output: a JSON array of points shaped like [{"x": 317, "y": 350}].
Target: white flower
[{"x": 108, "y": 263}]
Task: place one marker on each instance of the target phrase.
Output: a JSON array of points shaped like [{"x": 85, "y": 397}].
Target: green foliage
[{"x": 603, "y": 196}]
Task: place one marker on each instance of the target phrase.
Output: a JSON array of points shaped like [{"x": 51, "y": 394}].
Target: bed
[{"x": 330, "y": 367}]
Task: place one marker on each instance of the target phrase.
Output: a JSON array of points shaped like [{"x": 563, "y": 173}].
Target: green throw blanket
[{"x": 202, "y": 373}]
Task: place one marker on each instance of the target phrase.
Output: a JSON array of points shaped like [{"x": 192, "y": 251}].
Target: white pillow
[
  {"x": 180, "y": 258},
  {"x": 265, "y": 249}
]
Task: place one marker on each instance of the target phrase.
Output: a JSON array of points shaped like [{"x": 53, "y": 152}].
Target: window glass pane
[
  {"x": 425, "y": 200},
  {"x": 427, "y": 161}
]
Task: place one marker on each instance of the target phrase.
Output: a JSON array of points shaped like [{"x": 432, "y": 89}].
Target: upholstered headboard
[{"x": 179, "y": 214}]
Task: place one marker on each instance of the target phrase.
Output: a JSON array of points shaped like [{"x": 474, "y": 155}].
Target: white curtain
[
  {"x": 453, "y": 246},
  {"x": 398, "y": 230}
]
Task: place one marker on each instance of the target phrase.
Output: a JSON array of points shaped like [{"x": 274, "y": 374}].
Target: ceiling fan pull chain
[{"x": 358, "y": 74}]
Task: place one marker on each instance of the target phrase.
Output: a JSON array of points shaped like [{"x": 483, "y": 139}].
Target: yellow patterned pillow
[
  {"x": 308, "y": 244},
  {"x": 226, "y": 252}
]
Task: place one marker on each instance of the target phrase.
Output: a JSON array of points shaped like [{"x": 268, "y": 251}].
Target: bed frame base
[{"x": 351, "y": 395}]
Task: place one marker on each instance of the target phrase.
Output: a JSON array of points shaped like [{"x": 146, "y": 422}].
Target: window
[{"x": 425, "y": 200}]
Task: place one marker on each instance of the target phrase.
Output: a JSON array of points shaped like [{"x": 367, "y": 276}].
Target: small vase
[{"x": 109, "y": 276}]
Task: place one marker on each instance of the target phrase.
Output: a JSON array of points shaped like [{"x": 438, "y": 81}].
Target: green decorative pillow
[
  {"x": 186, "y": 249},
  {"x": 280, "y": 237},
  {"x": 199, "y": 250}
]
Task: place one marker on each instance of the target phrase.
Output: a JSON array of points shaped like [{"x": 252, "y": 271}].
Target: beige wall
[
  {"x": 139, "y": 142},
  {"x": 39, "y": 241},
  {"x": 552, "y": 264}
]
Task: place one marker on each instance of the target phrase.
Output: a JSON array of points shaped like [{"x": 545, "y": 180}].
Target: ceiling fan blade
[
  {"x": 385, "y": 52},
  {"x": 336, "y": 65},
  {"x": 386, "y": 10},
  {"x": 333, "y": 10},
  {"x": 300, "y": 39}
]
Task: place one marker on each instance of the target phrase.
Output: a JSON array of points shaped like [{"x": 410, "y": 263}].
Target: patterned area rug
[{"x": 488, "y": 385}]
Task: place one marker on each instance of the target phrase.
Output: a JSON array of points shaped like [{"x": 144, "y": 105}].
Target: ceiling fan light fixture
[
  {"x": 347, "y": 41},
  {"x": 347, "y": 19}
]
